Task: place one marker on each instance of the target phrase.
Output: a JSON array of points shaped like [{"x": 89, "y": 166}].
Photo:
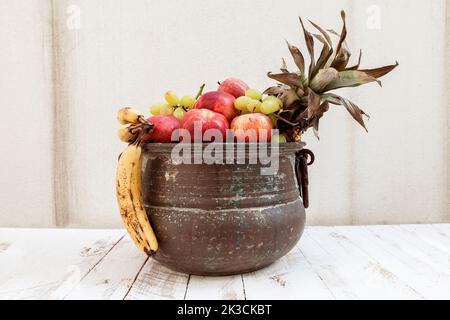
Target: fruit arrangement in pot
[{"x": 227, "y": 216}]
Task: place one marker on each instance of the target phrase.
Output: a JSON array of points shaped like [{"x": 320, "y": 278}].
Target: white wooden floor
[{"x": 373, "y": 262}]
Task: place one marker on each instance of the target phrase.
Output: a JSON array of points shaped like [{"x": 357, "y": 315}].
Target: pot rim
[{"x": 284, "y": 148}]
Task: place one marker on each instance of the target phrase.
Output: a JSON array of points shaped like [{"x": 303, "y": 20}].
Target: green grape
[
  {"x": 279, "y": 138},
  {"x": 172, "y": 99},
  {"x": 254, "y": 106},
  {"x": 241, "y": 103},
  {"x": 167, "y": 110},
  {"x": 188, "y": 102},
  {"x": 179, "y": 113},
  {"x": 254, "y": 94},
  {"x": 270, "y": 106},
  {"x": 156, "y": 108},
  {"x": 275, "y": 99}
]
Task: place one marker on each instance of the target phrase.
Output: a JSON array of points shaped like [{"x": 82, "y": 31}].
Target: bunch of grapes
[
  {"x": 253, "y": 102},
  {"x": 173, "y": 105}
]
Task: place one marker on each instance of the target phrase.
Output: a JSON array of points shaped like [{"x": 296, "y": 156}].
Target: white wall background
[
  {"x": 26, "y": 100},
  {"x": 62, "y": 82}
]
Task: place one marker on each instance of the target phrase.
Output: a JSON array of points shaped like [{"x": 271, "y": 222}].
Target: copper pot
[{"x": 222, "y": 219}]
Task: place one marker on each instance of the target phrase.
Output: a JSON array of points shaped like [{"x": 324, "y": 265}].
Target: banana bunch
[
  {"x": 128, "y": 180},
  {"x": 130, "y": 115}
]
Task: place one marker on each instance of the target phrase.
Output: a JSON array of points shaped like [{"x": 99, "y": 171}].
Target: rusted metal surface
[{"x": 222, "y": 219}]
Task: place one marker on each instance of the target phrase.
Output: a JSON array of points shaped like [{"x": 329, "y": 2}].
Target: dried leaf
[
  {"x": 293, "y": 109},
  {"x": 275, "y": 91},
  {"x": 333, "y": 55},
  {"x": 331, "y": 99},
  {"x": 334, "y": 32},
  {"x": 343, "y": 36},
  {"x": 284, "y": 68},
  {"x": 324, "y": 107},
  {"x": 319, "y": 37},
  {"x": 310, "y": 45},
  {"x": 352, "y": 108},
  {"x": 315, "y": 125},
  {"x": 288, "y": 97},
  {"x": 315, "y": 110},
  {"x": 342, "y": 59},
  {"x": 356, "y": 67},
  {"x": 313, "y": 104},
  {"x": 324, "y": 57},
  {"x": 291, "y": 79},
  {"x": 323, "y": 78},
  {"x": 323, "y": 32},
  {"x": 298, "y": 57},
  {"x": 351, "y": 78},
  {"x": 342, "y": 55},
  {"x": 379, "y": 72}
]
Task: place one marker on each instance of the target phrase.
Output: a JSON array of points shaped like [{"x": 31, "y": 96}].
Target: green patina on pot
[{"x": 221, "y": 219}]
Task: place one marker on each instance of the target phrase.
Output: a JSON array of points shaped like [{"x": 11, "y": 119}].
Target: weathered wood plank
[
  {"x": 349, "y": 272},
  {"x": 422, "y": 253},
  {"x": 291, "y": 277},
  {"x": 112, "y": 278},
  {"x": 156, "y": 282},
  {"x": 47, "y": 264},
  {"x": 390, "y": 254},
  {"x": 375, "y": 262},
  {"x": 443, "y": 229},
  {"x": 215, "y": 288}
]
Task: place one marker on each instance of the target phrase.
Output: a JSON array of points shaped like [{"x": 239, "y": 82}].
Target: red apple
[
  {"x": 220, "y": 102},
  {"x": 164, "y": 127},
  {"x": 234, "y": 86},
  {"x": 204, "y": 119},
  {"x": 252, "y": 127}
]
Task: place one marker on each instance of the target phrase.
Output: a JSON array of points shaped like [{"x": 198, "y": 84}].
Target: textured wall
[
  {"x": 106, "y": 54},
  {"x": 26, "y": 100},
  {"x": 447, "y": 96},
  {"x": 396, "y": 173}
]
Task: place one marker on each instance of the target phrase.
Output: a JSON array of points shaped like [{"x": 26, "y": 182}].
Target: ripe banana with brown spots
[
  {"x": 129, "y": 132},
  {"x": 129, "y": 194},
  {"x": 136, "y": 192},
  {"x": 129, "y": 115}
]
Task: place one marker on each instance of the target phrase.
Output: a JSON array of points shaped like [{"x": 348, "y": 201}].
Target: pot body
[{"x": 221, "y": 219}]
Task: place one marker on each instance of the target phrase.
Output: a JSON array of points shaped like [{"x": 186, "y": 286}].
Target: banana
[
  {"x": 130, "y": 115},
  {"x": 129, "y": 197},
  {"x": 141, "y": 214},
  {"x": 128, "y": 133},
  {"x": 126, "y": 165}
]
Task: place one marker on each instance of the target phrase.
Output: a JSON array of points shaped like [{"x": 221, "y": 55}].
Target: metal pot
[{"x": 222, "y": 219}]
